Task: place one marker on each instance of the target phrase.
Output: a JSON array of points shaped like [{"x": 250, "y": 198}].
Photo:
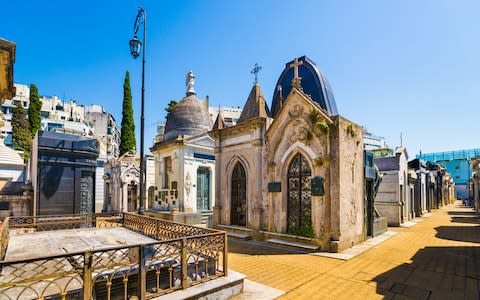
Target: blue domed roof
[{"x": 313, "y": 82}]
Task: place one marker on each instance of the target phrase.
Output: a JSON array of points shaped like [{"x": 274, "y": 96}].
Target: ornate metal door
[
  {"x": 238, "y": 208},
  {"x": 203, "y": 189},
  {"x": 86, "y": 192},
  {"x": 299, "y": 206}
]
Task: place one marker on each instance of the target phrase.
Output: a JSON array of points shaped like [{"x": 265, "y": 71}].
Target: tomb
[
  {"x": 185, "y": 162},
  {"x": 393, "y": 197},
  {"x": 111, "y": 256},
  {"x": 295, "y": 173},
  {"x": 62, "y": 171}
]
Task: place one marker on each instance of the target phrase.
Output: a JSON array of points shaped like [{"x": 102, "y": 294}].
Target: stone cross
[
  {"x": 296, "y": 79},
  {"x": 255, "y": 71}
]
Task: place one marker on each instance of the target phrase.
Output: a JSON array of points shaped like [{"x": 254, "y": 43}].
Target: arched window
[
  {"x": 299, "y": 193},
  {"x": 238, "y": 207}
]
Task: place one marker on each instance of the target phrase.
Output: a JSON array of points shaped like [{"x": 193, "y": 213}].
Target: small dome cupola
[{"x": 190, "y": 116}]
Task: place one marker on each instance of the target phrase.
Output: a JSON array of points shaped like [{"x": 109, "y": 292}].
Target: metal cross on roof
[{"x": 255, "y": 71}]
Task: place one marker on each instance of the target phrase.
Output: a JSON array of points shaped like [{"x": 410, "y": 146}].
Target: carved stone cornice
[{"x": 7, "y": 59}]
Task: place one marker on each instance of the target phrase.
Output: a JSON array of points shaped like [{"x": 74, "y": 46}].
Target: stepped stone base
[
  {"x": 218, "y": 289},
  {"x": 293, "y": 245}
]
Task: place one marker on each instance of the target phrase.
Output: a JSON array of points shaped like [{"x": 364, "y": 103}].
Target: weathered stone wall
[
  {"x": 351, "y": 184},
  {"x": 18, "y": 205},
  {"x": 387, "y": 200}
]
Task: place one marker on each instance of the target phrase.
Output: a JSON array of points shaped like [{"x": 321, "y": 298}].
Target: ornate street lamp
[{"x": 135, "y": 49}]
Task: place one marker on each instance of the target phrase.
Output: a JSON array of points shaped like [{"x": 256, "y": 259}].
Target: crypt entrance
[
  {"x": 299, "y": 197},
  {"x": 203, "y": 189},
  {"x": 238, "y": 208},
  {"x": 132, "y": 196}
]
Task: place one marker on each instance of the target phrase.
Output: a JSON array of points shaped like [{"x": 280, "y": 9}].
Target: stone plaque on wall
[
  {"x": 274, "y": 187},
  {"x": 318, "y": 186}
]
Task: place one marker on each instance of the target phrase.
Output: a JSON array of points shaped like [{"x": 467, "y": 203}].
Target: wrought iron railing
[
  {"x": 4, "y": 234},
  {"x": 182, "y": 256}
]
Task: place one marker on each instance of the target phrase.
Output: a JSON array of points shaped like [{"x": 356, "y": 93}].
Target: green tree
[
  {"x": 170, "y": 106},
  {"x": 22, "y": 137},
  {"x": 127, "y": 141},
  {"x": 34, "y": 117}
]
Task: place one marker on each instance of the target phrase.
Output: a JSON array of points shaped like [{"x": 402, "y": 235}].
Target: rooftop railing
[{"x": 181, "y": 256}]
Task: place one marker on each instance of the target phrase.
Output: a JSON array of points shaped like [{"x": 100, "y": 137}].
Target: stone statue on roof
[{"x": 190, "y": 82}]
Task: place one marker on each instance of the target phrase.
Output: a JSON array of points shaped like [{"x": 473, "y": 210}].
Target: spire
[
  {"x": 219, "y": 122},
  {"x": 255, "y": 105}
]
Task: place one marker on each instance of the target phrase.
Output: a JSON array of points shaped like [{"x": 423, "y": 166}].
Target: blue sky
[{"x": 394, "y": 66}]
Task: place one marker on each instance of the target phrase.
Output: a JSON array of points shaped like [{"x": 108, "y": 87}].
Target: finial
[
  {"x": 296, "y": 81},
  {"x": 190, "y": 82},
  {"x": 255, "y": 71}
]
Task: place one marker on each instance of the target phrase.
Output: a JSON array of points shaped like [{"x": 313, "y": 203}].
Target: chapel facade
[{"x": 295, "y": 170}]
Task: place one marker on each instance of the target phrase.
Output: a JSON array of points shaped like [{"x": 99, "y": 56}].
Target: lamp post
[{"x": 135, "y": 48}]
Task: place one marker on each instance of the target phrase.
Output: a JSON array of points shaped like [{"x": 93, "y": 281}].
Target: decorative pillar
[{"x": 257, "y": 207}]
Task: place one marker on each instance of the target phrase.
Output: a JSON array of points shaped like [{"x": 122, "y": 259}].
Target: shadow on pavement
[
  {"x": 459, "y": 233},
  {"x": 258, "y": 248},
  {"x": 468, "y": 220},
  {"x": 435, "y": 273},
  {"x": 462, "y": 213}
]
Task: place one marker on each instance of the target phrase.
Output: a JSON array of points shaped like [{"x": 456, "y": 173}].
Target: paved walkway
[{"x": 438, "y": 258}]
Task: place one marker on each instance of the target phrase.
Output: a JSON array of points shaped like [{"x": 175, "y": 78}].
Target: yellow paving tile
[{"x": 437, "y": 258}]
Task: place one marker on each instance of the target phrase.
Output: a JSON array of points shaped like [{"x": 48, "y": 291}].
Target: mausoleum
[
  {"x": 185, "y": 162},
  {"x": 295, "y": 172}
]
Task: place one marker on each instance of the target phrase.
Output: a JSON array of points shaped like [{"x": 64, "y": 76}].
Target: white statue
[{"x": 190, "y": 82}]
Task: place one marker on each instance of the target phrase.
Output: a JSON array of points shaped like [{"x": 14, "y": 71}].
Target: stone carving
[
  {"x": 296, "y": 111},
  {"x": 190, "y": 82},
  {"x": 188, "y": 184},
  {"x": 298, "y": 134}
]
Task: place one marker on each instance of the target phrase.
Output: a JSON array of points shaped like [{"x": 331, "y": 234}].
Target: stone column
[
  {"x": 257, "y": 209},
  {"x": 219, "y": 182}
]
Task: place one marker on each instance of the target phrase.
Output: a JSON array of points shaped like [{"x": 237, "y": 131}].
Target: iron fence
[{"x": 181, "y": 256}]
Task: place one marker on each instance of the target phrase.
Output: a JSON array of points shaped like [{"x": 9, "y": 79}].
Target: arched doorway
[
  {"x": 132, "y": 196},
  {"x": 151, "y": 197},
  {"x": 299, "y": 193},
  {"x": 238, "y": 207}
]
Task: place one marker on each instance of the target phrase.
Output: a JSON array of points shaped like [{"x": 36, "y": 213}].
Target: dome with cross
[{"x": 303, "y": 71}]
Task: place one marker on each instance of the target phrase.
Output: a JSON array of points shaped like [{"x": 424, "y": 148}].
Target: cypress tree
[
  {"x": 22, "y": 137},
  {"x": 34, "y": 117},
  {"x": 127, "y": 141}
]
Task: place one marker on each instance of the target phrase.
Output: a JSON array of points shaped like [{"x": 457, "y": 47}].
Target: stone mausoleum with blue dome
[{"x": 291, "y": 172}]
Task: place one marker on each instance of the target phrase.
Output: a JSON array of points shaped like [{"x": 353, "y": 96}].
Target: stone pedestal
[
  {"x": 216, "y": 215},
  {"x": 257, "y": 217}
]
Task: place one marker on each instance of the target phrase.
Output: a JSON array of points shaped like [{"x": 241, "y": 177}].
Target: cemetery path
[{"x": 439, "y": 258}]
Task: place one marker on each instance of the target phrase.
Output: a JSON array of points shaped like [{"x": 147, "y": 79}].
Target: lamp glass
[{"x": 135, "y": 47}]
